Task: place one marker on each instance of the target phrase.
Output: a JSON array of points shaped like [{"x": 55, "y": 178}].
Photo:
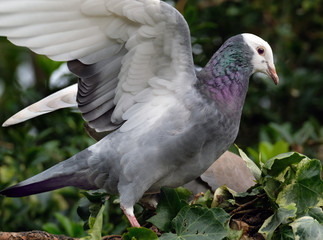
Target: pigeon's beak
[{"x": 271, "y": 72}]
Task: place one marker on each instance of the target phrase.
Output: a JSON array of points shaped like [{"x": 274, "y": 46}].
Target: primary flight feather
[{"x": 136, "y": 77}]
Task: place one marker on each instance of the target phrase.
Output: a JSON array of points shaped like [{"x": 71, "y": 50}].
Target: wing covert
[{"x": 132, "y": 57}]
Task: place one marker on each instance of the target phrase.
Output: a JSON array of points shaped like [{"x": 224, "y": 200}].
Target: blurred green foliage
[
  {"x": 290, "y": 112},
  {"x": 294, "y": 29}
]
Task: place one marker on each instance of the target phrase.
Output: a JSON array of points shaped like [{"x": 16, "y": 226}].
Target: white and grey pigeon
[{"x": 136, "y": 77}]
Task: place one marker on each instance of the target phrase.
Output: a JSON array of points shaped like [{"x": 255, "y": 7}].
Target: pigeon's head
[{"x": 262, "y": 60}]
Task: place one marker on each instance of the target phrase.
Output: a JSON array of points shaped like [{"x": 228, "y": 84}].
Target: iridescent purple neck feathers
[{"x": 224, "y": 80}]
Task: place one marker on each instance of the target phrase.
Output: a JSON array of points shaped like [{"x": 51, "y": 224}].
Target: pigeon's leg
[{"x": 131, "y": 216}]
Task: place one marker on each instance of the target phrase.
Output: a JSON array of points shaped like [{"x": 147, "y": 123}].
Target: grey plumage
[
  {"x": 67, "y": 173},
  {"x": 137, "y": 77}
]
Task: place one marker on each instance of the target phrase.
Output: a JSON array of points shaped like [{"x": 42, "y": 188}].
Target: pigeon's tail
[{"x": 71, "y": 172}]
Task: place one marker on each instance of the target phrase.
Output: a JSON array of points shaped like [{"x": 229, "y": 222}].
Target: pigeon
[
  {"x": 229, "y": 169},
  {"x": 137, "y": 80}
]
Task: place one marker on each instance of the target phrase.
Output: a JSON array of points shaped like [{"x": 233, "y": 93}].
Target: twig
[
  {"x": 197, "y": 196},
  {"x": 246, "y": 204},
  {"x": 112, "y": 237}
]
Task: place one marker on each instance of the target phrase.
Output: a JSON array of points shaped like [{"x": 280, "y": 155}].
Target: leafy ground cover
[{"x": 285, "y": 203}]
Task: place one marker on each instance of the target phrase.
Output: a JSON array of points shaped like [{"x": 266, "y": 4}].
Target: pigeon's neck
[{"x": 224, "y": 80}]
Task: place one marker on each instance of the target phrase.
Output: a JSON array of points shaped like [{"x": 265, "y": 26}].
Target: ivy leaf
[
  {"x": 316, "y": 213},
  {"x": 223, "y": 198},
  {"x": 307, "y": 228},
  {"x": 306, "y": 189},
  {"x": 254, "y": 169},
  {"x": 271, "y": 187},
  {"x": 198, "y": 223},
  {"x": 284, "y": 232},
  {"x": 278, "y": 164},
  {"x": 96, "y": 228},
  {"x": 97, "y": 196},
  {"x": 170, "y": 203},
  {"x": 280, "y": 216},
  {"x": 170, "y": 236},
  {"x": 140, "y": 234},
  {"x": 90, "y": 206}
]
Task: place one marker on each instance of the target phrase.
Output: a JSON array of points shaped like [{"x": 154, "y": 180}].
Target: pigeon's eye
[{"x": 261, "y": 51}]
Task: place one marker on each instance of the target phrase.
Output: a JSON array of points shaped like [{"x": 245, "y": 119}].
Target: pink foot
[
  {"x": 133, "y": 221},
  {"x": 131, "y": 217}
]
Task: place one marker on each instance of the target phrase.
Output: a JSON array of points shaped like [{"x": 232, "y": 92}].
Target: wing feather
[
  {"x": 133, "y": 57},
  {"x": 61, "y": 99}
]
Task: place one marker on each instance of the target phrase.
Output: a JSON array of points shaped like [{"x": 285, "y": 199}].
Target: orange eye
[{"x": 261, "y": 51}]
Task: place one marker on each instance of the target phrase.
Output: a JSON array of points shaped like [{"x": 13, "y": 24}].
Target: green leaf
[
  {"x": 94, "y": 209},
  {"x": 254, "y": 169},
  {"x": 170, "y": 203},
  {"x": 222, "y": 197},
  {"x": 65, "y": 226},
  {"x": 269, "y": 150},
  {"x": 95, "y": 231},
  {"x": 265, "y": 149},
  {"x": 278, "y": 164},
  {"x": 90, "y": 206},
  {"x": 252, "y": 192},
  {"x": 205, "y": 200},
  {"x": 52, "y": 228},
  {"x": 140, "y": 234},
  {"x": 271, "y": 187},
  {"x": 254, "y": 154},
  {"x": 282, "y": 215},
  {"x": 233, "y": 234},
  {"x": 66, "y": 223},
  {"x": 284, "y": 232},
  {"x": 170, "y": 236},
  {"x": 306, "y": 189},
  {"x": 316, "y": 213},
  {"x": 97, "y": 196},
  {"x": 198, "y": 223},
  {"x": 183, "y": 193},
  {"x": 307, "y": 228}
]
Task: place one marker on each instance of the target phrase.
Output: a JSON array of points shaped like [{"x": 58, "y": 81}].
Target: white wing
[
  {"x": 133, "y": 57},
  {"x": 64, "y": 98}
]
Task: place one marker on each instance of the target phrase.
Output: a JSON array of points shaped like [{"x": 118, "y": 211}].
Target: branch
[{"x": 40, "y": 235}]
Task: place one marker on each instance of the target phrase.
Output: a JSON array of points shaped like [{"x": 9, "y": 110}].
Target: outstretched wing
[{"x": 133, "y": 57}]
